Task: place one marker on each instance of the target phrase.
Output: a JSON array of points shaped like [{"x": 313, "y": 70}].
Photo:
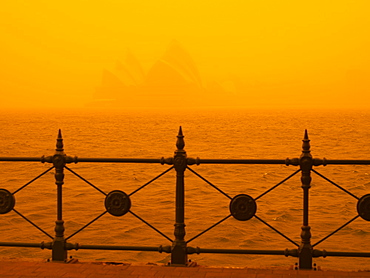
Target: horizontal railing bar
[
  {"x": 242, "y": 161},
  {"x": 120, "y": 160},
  {"x": 38, "y": 159},
  {"x": 201, "y": 161},
  {"x": 348, "y": 162},
  {"x": 242, "y": 251},
  {"x": 347, "y": 254},
  {"x": 199, "y": 250},
  {"x": 108, "y": 160},
  {"x": 20, "y": 244},
  {"x": 280, "y": 161},
  {"x": 117, "y": 247}
]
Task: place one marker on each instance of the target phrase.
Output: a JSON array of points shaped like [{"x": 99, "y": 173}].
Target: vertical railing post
[
  {"x": 178, "y": 251},
  {"x": 59, "y": 252},
  {"x": 305, "y": 162}
]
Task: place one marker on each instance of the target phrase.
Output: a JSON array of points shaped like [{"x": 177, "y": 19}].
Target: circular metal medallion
[
  {"x": 243, "y": 207},
  {"x": 363, "y": 207},
  {"x": 117, "y": 203},
  {"x": 7, "y": 201}
]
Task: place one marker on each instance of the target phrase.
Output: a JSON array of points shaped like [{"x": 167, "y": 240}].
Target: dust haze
[{"x": 254, "y": 54}]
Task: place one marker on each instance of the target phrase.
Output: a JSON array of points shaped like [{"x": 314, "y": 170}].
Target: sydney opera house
[{"x": 173, "y": 80}]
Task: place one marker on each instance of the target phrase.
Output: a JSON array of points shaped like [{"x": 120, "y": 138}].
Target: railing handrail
[{"x": 199, "y": 160}]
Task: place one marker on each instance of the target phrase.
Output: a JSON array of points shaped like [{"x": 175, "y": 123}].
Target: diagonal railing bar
[
  {"x": 272, "y": 188},
  {"x": 211, "y": 184},
  {"x": 325, "y": 178},
  {"x": 332, "y": 233},
  {"x": 151, "y": 226},
  {"x": 33, "y": 224},
  {"x": 149, "y": 182},
  {"x": 88, "y": 224},
  {"x": 267, "y": 224},
  {"x": 206, "y": 230},
  {"x": 89, "y": 183},
  {"x": 31, "y": 181}
]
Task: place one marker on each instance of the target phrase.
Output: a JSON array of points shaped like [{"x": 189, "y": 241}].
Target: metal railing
[{"x": 242, "y": 207}]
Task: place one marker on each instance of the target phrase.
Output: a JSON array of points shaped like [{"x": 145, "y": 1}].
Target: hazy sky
[{"x": 281, "y": 53}]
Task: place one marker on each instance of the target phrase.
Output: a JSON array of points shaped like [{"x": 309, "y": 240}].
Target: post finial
[
  {"x": 306, "y": 142},
  {"x": 180, "y": 144},
  {"x": 59, "y": 142},
  {"x": 305, "y": 134}
]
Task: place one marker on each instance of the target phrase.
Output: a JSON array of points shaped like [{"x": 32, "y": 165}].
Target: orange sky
[{"x": 270, "y": 54}]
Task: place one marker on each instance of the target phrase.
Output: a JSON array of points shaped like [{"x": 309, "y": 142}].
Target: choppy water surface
[{"x": 238, "y": 133}]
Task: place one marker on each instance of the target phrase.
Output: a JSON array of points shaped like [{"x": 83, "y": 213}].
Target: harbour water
[{"x": 209, "y": 133}]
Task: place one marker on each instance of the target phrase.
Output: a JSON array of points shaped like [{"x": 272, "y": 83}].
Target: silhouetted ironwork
[{"x": 242, "y": 207}]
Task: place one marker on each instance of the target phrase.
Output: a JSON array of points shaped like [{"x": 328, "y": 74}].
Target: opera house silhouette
[{"x": 173, "y": 80}]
